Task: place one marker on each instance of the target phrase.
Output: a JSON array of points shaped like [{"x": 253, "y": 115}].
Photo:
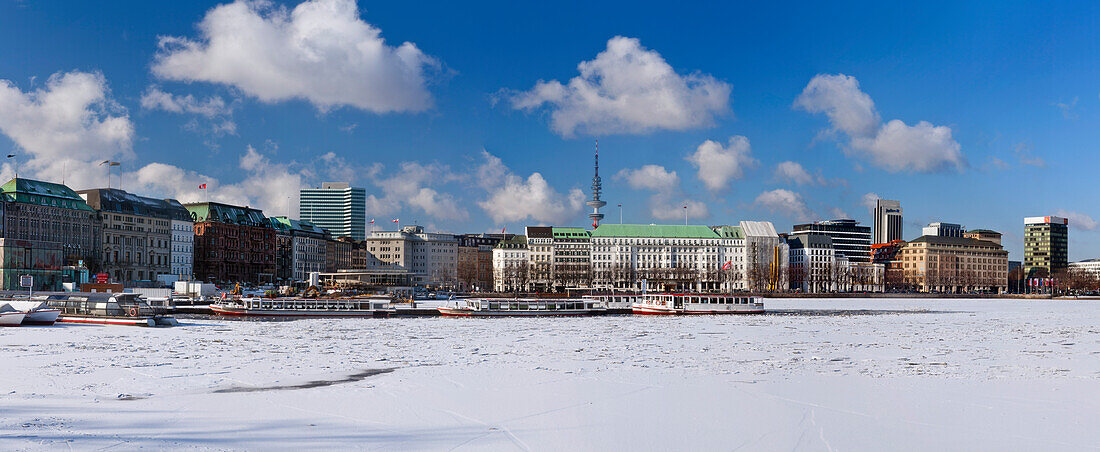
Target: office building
[
  {"x": 887, "y": 223},
  {"x": 510, "y": 265},
  {"x": 301, "y": 249},
  {"x": 337, "y": 207},
  {"x": 1046, "y": 246},
  {"x": 668, "y": 257},
  {"x": 950, "y": 264},
  {"x": 430, "y": 258},
  {"x": 939, "y": 229},
  {"x": 850, "y": 240},
  {"x": 813, "y": 263}
]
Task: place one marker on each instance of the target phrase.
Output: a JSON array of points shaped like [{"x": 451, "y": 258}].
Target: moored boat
[
  {"x": 304, "y": 307},
  {"x": 684, "y": 303},
  {"x": 522, "y": 307},
  {"x": 102, "y": 308},
  {"x": 9, "y": 316},
  {"x": 37, "y": 312}
]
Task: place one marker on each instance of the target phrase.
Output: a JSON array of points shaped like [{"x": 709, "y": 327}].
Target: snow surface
[{"x": 812, "y": 374}]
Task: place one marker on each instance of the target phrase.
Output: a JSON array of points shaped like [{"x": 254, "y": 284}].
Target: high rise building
[
  {"x": 337, "y": 207},
  {"x": 849, "y": 238},
  {"x": 1046, "y": 245},
  {"x": 887, "y": 224},
  {"x": 939, "y": 229}
]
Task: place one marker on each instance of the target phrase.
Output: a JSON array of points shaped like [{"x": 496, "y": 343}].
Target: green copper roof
[
  {"x": 560, "y": 232},
  {"x": 654, "y": 231},
  {"x": 516, "y": 242},
  {"x": 224, "y": 213},
  {"x": 300, "y": 226},
  {"x": 44, "y": 194},
  {"x": 729, "y": 232}
]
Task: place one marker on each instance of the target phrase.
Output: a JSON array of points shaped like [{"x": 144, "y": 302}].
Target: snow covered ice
[{"x": 812, "y": 374}]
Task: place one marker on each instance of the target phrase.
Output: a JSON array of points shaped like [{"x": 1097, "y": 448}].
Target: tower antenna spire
[{"x": 597, "y": 187}]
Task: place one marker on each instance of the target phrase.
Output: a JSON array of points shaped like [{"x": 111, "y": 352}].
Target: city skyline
[{"x": 793, "y": 123}]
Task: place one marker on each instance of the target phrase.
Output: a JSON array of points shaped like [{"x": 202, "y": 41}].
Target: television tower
[{"x": 597, "y": 186}]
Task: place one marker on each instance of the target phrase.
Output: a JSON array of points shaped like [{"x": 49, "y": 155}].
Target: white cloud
[
  {"x": 411, "y": 185},
  {"x": 838, "y": 96},
  {"x": 787, "y": 203},
  {"x": 718, "y": 165},
  {"x": 627, "y": 89},
  {"x": 512, "y": 198},
  {"x": 663, "y": 207},
  {"x": 65, "y": 129},
  {"x": 1078, "y": 220},
  {"x": 839, "y": 213},
  {"x": 321, "y": 51},
  {"x": 793, "y": 172},
  {"x": 894, "y": 146},
  {"x": 666, "y": 202},
  {"x": 270, "y": 186},
  {"x": 213, "y": 108},
  {"x": 650, "y": 177},
  {"x": 870, "y": 201},
  {"x": 899, "y": 147}
]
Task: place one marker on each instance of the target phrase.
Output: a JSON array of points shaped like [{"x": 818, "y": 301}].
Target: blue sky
[{"x": 450, "y": 131}]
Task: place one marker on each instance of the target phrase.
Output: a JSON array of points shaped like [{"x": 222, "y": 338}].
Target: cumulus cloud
[
  {"x": 627, "y": 89},
  {"x": 63, "y": 130},
  {"x": 513, "y": 198},
  {"x": 320, "y": 52},
  {"x": 1078, "y": 220},
  {"x": 718, "y": 165},
  {"x": 839, "y": 213},
  {"x": 793, "y": 172},
  {"x": 787, "y": 203},
  {"x": 650, "y": 177},
  {"x": 666, "y": 202},
  {"x": 411, "y": 185},
  {"x": 267, "y": 185},
  {"x": 894, "y": 146}
]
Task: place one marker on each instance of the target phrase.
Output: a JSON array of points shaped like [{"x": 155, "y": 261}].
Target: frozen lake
[{"x": 812, "y": 374}]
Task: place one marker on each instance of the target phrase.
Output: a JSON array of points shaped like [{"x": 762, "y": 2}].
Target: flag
[
  {"x": 395, "y": 220},
  {"x": 202, "y": 186},
  {"x": 502, "y": 229},
  {"x": 372, "y": 221},
  {"x": 727, "y": 266}
]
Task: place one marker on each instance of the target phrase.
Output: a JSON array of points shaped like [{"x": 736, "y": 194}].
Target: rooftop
[
  {"x": 225, "y": 213},
  {"x": 655, "y": 231},
  {"x": 965, "y": 241},
  {"x": 120, "y": 201},
  {"x": 43, "y": 193}
]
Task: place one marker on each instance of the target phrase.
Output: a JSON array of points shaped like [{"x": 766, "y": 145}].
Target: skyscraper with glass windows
[{"x": 336, "y": 206}]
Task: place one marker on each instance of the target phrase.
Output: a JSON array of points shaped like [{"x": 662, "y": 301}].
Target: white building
[
  {"x": 668, "y": 257},
  {"x": 510, "y": 265},
  {"x": 887, "y": 225},
  {"x": 766, "y": 257},
  {"x": 183, "y": 249},
  {"x": 1090, "y": 266},
  {"x": 431, "y": 257},
  {"x": 813, "y": 262}
]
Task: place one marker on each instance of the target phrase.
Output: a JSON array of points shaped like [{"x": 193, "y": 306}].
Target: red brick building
[{"x": 232, "y": 244}]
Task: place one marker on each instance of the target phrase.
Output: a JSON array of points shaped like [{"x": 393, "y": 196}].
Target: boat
[
  {"x": 304, "y": 307},
  {"x": 101, "y": 308},
  {"x": 686, "y": 303},
  {"x": 9, "y": 316},
  {"x": 37, "y": 312},
  {"x": 522, "y": 307}
]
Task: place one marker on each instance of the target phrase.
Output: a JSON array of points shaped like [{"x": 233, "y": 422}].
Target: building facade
[
  {"x": 475, "y": 260},
  {"x": 1046, "y": 246},
  {"x": 510, "y": 265},
  {"x": 570, "y": 258},
  {"x": 955, "y": 265},
  {"x": 850, "y": 240},
  {"x": 667, "y": 257},
  {"x": 813, "y": 263},
  {"x": 183, "y": 247},
  {"x": 767, "y": 257},
  {"x": 337, "y": 207},
  {"x": 431, "y": 257},
  {"x": 39, "y": 211},
  {"x": 301, "y": 249},
  {"x": 232, "y": 244},
  {"x": 887, "y": 225},
  {"x": 137, "y": 235},
  {"x": 540, "y": 242},
  {"x": 940, "y": 229}
]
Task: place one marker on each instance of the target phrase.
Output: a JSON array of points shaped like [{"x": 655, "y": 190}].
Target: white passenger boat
[
  {"x": 100, "y": 308},
  {"x": 10, "y": 316},
  {"x": 37, "y": 312},
  {"x": 522, "y": 307},
  {"x": 304, "y": 307},
  {"x": 684, "y": 303}
]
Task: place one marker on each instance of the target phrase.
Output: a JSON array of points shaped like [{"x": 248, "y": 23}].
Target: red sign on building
[{"x": 101, "y": 278}]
